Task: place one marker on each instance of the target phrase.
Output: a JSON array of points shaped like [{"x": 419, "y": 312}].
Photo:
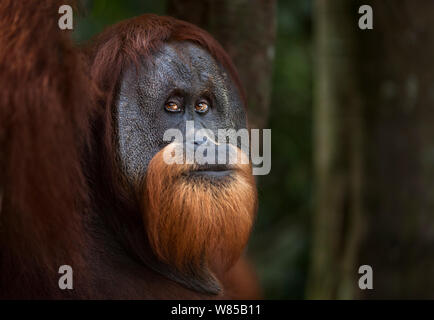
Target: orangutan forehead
[{"x": 187, "y": 62}]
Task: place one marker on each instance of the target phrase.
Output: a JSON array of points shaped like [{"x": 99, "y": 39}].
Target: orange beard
[{"x": 195, "y": 222}]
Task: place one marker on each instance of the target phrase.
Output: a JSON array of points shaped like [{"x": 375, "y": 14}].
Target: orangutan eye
[
  {"x": 172, "y": 107},
  {"x": 201, "y": 107}
]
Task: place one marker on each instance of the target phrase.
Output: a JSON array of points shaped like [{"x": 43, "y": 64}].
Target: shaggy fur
[
  {"x": 62, "y": 199},
  {"x": 194, "y": 223},
  {"x": 45, "y": 108}
]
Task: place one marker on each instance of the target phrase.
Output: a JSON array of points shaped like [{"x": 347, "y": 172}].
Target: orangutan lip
[
  {"x": 213, "y": 168},
  {"x": 216, "y": 173}
]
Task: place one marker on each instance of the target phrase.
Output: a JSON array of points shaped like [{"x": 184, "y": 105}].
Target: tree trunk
[
  {"x": 246, "y": 29},
  {"x": 374, "y": 150},
  {"x": 338, "y": 152}
]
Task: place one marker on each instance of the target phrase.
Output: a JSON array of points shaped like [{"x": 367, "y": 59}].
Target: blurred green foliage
[
  {"x": 95, "y": 15},
  {"x": 281, "y": 239}
]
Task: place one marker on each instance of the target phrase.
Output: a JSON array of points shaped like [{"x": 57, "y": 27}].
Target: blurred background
[{"x": 352, "y": 177}]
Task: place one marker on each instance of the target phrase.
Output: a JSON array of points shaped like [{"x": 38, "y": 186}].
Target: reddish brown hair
[
  {"x": 45, "y": 107},
  {"x": 196, "y": 226}
]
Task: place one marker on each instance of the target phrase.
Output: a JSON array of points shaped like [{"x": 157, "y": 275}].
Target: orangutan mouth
[{"x": 213, "y": 170}]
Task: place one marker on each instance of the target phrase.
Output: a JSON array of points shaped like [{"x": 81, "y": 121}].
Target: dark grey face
[{"x": 181, "y": 82}]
